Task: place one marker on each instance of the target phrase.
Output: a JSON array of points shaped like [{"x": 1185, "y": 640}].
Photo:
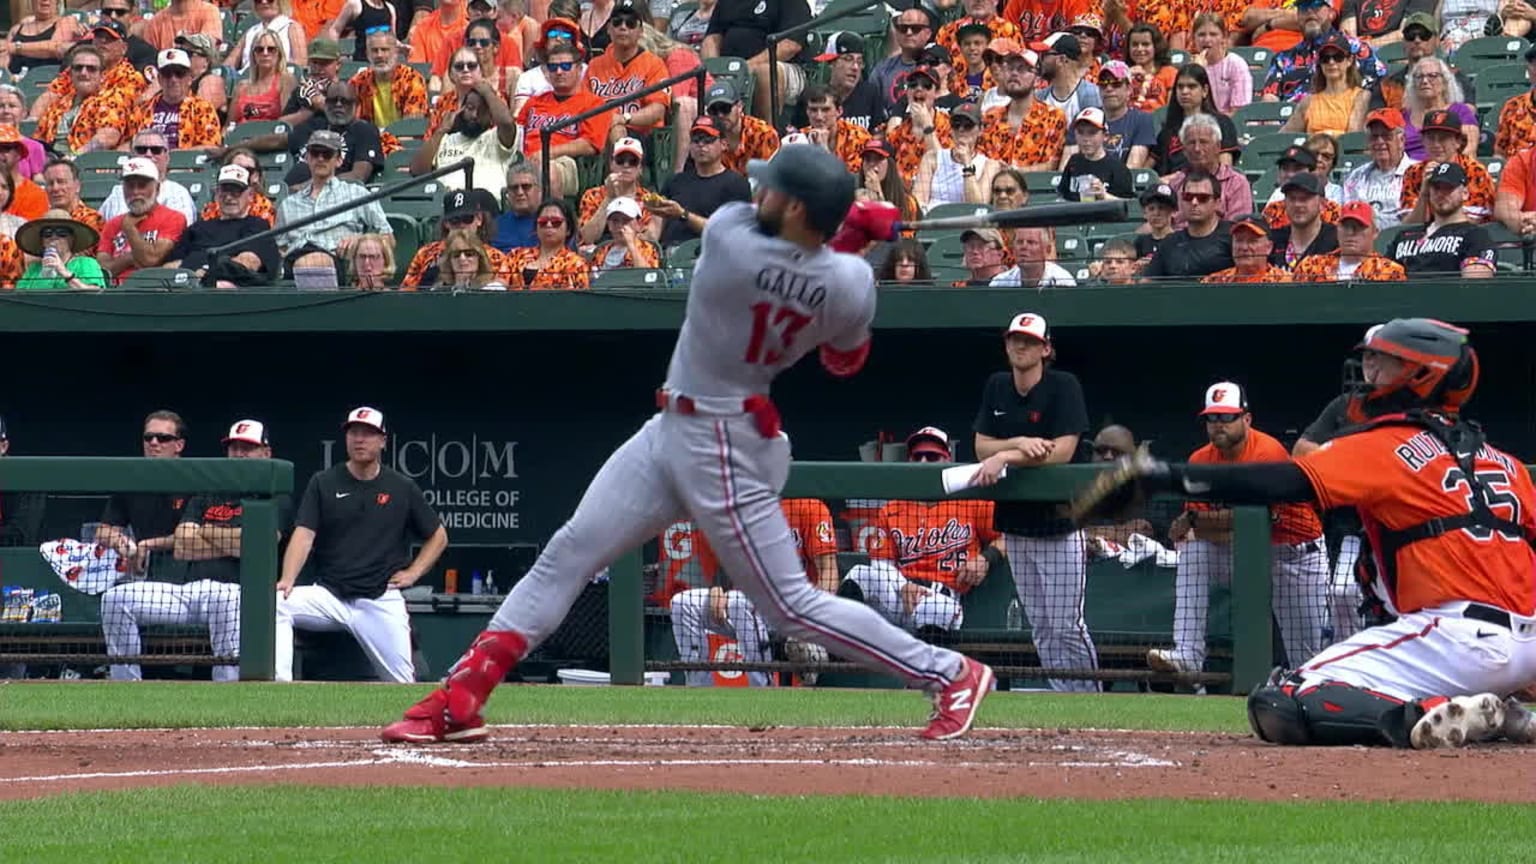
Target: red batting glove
[{"x": 866, "y": 222}]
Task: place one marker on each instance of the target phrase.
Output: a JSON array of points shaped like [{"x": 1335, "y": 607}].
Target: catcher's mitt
[{"x": 1119, "y": 490}]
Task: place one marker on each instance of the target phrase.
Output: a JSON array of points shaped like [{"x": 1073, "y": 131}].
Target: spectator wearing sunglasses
[
  {"x": 313, "y": 254},
  {"x": 464, "y": 73},
  {"x": 64, "y": 249},
  {"x": 267, "y": 84},
  {"x": 272, "y": 18},
  {"x": 1204, "y": 245},
  {"x": 151, "y": 146},
  {"x": 207, "y": 73},
  {"x": 746, "y": 137},
  {"x": 139, "y": 524},
  {"x": 472, "y": 210},
  {"x": 188, "y": 122},
  {"x": 533, "y": 82},
  {"x": 551, "y": 265},
  {"x": 569, "y": 98},
  {"x": 436, "y": 36},
  {"x": 913, "y": 29},
  {"x": 626, "y": 67},
  {"x": 1026, "y": 133},
  {"x": 693, "y": 194},
  {"x": 254, "y": 263},
  {"x": 26, "y": 200},
  {"x": 145, "y": 232},
  {"x": 88, "y": 117},
  {"x": 113, "y": 74},
  {"x": 623, "y": 181},
  {"x": 40, "y": 39},
  {"x": 496, "y": 66},
  {"x": 362, "y": 18},
  {"x": 387, "y": 89},
  {"x": 1253, "y": 245},
  {"x": 523, "y": 194},
  {"x": 361, "y": 159},
  {"x": 183, "y": 16}
]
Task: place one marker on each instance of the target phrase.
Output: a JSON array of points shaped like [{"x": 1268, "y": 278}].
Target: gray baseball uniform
[{"x": 757, "y": 304}]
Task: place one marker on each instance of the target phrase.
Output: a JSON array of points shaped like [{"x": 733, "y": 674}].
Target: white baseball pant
[
  {"x": 1433, "y": 652},
  {"x": 692, "y": 622},
  {"x": 1299, "y": 592},
  {"x": 722, "y": 473},
  {"x": 127, "y": 607},
  {"x": 883, "y": 582},
  {"x": 1344, "y": 591},
  {"x": 1050, "y": 575},
  {"x": 382, "y": 627}
]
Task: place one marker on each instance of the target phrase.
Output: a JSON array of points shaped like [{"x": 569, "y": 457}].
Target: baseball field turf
[{"x": 444, "y": 822}]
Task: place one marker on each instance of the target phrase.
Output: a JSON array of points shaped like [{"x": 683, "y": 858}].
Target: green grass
[
  {"x": 266, "y": 824},
  {"x": 86, "y": 705}
]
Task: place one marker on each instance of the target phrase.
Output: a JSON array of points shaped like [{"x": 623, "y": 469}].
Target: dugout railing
[
  {"x": 87, "y": 482},
  {"x": 1240, "y": 652}
]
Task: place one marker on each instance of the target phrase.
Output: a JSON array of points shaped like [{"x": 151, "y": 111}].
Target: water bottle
[
  {"x": 476, "y": 583},
  {"x": 1015, "y": 618},
  {"x": 490, "y": 582}
]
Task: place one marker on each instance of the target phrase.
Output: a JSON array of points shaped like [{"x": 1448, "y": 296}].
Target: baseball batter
[
  {"x": 208, "y": 537},
  {"x": 925, "y": 555},
  {"x": 1450, "y": 520},
  {"x": 728, "y": 612},
  {"x": 1035, "y": 415},
  {"x": 1203, "y": 532},
  {"x": 766, "y": 291}
]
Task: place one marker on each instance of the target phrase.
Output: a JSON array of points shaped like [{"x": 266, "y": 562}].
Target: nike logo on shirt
[
  {"x": 997, "y": 413},
  {"x": 342, "y": 494},
  {"x": 1482, "y": 635}
]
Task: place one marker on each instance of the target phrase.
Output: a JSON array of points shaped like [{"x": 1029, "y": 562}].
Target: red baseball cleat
[
  {"x": 954, "y": 707},
  {"x": 427, "y": 722}
]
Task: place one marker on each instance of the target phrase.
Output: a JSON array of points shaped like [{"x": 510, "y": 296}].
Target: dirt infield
[{"x": 1059, "y": 763}]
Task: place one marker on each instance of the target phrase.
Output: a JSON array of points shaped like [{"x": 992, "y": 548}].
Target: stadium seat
[
  {"x": 100, "y": 162},
  {"x": 1263, "y": 114},
  {"x": 418, "y": 208},
  {"x": 1353, "y": 142},
  {"x": 944, "y": 275},
  {"x": 28, "y": 128},
  {"x": 429, "y": 190},
  {"x": 398, "y": 162},
  {"x": 274, "y": 164},
  {"x": 189, "y": 160},
  {"x": 253, "y": 129},
  {"x": 1391, "y": 54},
  {"x": 1486, "y": 51},
  {"x": 1070, "y": 245},
  {"x": 351, "y": 67},
  {"x": 1041, "y": 181},
  {"x": 159, "y": 279},
  {"x": 1495, "y": 166},
  {"x": 1143, "y": 179},
  {"x": 630, "y": 277},
  {"x": 684, "y": 254},
  {"x": 953, "y": 209},
  {"x": 1387, "y": 239},
  {"x": 1265, "y": 149},
  {"x": 1496, "y": 85},
  {"x": 408, "y": 239},
  {"x": 408, "y": 128},
  {"x": 1256, "y": 58},
  {"x": 947, "y": 251},
  {"x": 94, "y": 188},
  {"x": 1178, "y": 58}
]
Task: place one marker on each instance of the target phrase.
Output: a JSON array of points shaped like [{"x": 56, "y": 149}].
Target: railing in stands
[{"x": 549, "y": 131}]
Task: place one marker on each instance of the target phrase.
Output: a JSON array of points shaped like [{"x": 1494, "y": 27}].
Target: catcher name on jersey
[{"x": 1423, "y": 448}]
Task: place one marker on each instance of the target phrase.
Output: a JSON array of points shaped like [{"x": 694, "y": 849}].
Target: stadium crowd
[{"x": 1273, "y": 141}]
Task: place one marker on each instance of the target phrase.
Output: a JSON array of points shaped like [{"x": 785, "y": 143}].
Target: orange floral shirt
[
  {"x": 104, "y": 110},
  {"x": 592, "y": 199},
  {"x": 1270, "y": 273},
  {"x": 1001, "y": 28},
  {"x": 907, "y": 142},
  {"x": 1038, "y": 140},
  {"x": 388, "y": 143},
  {"x": 1150, "y": 92},
  {"x": 565, "y": 271},
  {"x": 650, "y": 255},
  {"x": 1325, "y": 268},
  {"x": 1517, "y": 126},
  {"x": 428, "y": 255},
  {"x": 11, "y": 264},
  {"x": 1172, "y": 17},
  {"x": 442, "y": 111},
  {"x": 758, "y": 141},
  {"x": 1480, "y": 189},
  {"x": 199, "y": 124},
  {"x": 86, "y": 215},
  {"x": 406, "y": 87},
  {"x": 122, "y": 78},
  {"x": 261, "y": 206},
  {"x": 849, "y": 145},
  {"x": 1274, "y": 213}
]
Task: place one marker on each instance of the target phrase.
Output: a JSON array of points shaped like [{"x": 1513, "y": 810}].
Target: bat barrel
[{"x": 1035, "y": 216}]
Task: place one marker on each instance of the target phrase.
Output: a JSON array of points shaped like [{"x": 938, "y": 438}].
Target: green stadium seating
[
  {"x": 100, "y": 162},
  {"x": 1071, "y": 248},
  {"x": 1265, "y": 149},
  {"x": 159, "y": 279},
  {"x": 1486, "y": 51},
  {"x": 1392, "y": 54},
  {"x": 94, "y": 188},
  {"x": 189, "y": 160},
  {"x": 408, "y": 128},
  {"x": 1387, "y": 239},
  {"x": 955, "y": 209},
  {"x": 1496, "y": 85},
  {"x": 630, "y": 277},
  {"x": 1257, "y": 115},
  {"x": 408, "y": 239},
  {"x": 684, "y": 254},
  {"x": 253, "y": 129},
  {"x": 1256, "y": 58},
  {"x": 1353, "y": 142},
  {"x": 947, "y": 251},
  {"x": 398, "y": 162}
]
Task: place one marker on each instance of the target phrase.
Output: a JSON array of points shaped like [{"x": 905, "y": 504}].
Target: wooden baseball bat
[{"x": 1032, "y": 216}]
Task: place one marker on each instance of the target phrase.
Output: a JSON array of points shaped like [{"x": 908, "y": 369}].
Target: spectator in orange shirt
[
  {"x": 1356, "y": 257},
  {"x": 1251, "y": 251},
  {"x": 27, "y": 200},
  {"x": 183, "y": 17},
  {"x": 623, "y": 181},
  {"x": 1152, "y": 74},
  {"x": 926, "y": 555},
  {"x": 551, "y": 265},
  {"x": 828, "y": 130},
  {"x": 568, "y": 98},
  {"x": 314, "y": 15},
  {"x": 187, "y": 121},
  {"x": 1039, "y": 18},
  {"x": 983, "y": 12},
  {"x": 115, "y": 76},
  {"x": 486, "y": 41},
  {"x": 100, "y": 117},
  {"x": 472, "y": 211},
  {"x": 1445, "y": 141},
  {"x": 436, "y": 35},
  {"x": 1026, "y": 133},
  {"x": 61, "y": 182},
  {"x": 625, "y": 68},
  {"x": 971, "y": 77},
  {"x": 908, "y": 132},
  {"x": 746, "y": 137},
  {"x": 1515, "y": 202},
  {"x": 388, "y": 90},
  {"x": 626, "y": 246}
]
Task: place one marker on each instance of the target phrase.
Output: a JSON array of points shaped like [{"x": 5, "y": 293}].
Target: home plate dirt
[{"x": 878, "y": 761}]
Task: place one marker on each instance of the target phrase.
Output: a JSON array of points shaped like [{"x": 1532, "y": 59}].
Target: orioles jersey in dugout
[
  {"x": 1291, "y": 523},
  {"x": 1399, "y": 476},
  {"x": 810, "y": 523},
  {"x": 932, "y": 540}
]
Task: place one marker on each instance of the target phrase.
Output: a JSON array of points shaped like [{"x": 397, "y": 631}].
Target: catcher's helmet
[
  {"x": 817, "y": 178},
  {"x": 1440, "y": 368}
]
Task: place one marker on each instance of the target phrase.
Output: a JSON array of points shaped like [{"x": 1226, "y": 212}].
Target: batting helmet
[
  {"x": 1440, "y": 368},
  {"x": 815, "y": 177}
]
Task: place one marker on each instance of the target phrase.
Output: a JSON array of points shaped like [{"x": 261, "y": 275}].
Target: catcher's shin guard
[
  {"x": 482, "y": 667},
  {"x": 1330, "y": 714}
]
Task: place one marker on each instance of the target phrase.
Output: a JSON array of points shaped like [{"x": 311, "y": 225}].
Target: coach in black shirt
[
  {"x": 137, "y": 525},
  {"x": 1034, "y": 415},
  {"x": 359, "y": 518},
  {"x": 1204, "y": 244}
]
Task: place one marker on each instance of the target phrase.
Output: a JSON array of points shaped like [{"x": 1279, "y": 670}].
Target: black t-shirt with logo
[
  {"x": 1183, "y": 256},
  {"x": 1379, "y": 17},
  {"x": 360, "y": 139},
  {"x": 1327, "y": 240},
  {"x": 149, "y": 515},
  {"x": 744, "y": 25},
  {"x": 1445, "y": 250},
  {"x": 1052, "y": 408},
  {"x": 363, "y": 528},
  {"x": 228, "y": 513},
  {"x": 863, "y": 107}
]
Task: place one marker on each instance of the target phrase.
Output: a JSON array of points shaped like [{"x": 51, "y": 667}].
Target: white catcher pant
[
  {"x": 1300, "y": 592},
  {"x": 882, "y": 583},
  {"x": 1050, "y": 575},
  {"x": 1433, "y": 652},
  {"x": 725, "y": 476},
  {"x": 215, "y": 605},
  {"x": 382, "y": 627},
  {"x": 692, "y": 624}
]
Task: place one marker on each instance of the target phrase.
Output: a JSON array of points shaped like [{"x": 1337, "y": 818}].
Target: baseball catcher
[{"x": 1450, "y": 521}]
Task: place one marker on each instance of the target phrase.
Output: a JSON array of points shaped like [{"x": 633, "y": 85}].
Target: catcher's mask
[{"x": 1440, "y": 369}]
